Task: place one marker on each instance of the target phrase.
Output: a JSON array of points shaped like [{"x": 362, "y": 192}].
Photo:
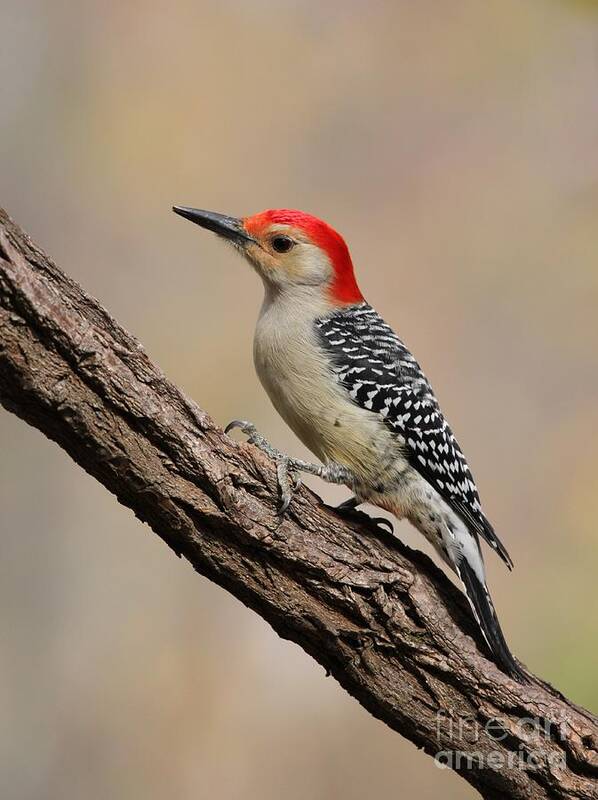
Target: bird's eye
[{"x": 282, "y": 244}]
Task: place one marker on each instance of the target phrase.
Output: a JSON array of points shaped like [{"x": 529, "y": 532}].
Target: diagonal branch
[{"x": 381, "y": 618}]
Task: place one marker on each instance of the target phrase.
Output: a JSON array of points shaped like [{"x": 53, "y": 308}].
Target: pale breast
[{"x": 294, "y": 371}]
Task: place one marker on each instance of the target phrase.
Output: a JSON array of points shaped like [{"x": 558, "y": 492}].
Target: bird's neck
[{"x": 302, "y": 302}]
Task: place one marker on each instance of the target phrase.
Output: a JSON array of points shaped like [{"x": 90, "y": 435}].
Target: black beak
[{"x": 228, "y": 227}]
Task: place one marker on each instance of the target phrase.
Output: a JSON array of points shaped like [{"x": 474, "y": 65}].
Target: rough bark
[{"x": 378, "y": 616}]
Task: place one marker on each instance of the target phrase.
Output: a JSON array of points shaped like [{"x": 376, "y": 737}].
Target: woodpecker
[{"x": 356, "y": 397}]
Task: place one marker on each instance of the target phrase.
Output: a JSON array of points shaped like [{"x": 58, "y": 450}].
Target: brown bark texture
[{"x": 379, "y": 617}]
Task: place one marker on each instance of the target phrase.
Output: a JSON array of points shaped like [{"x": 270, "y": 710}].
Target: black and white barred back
[{"x": 381, "y": 375}]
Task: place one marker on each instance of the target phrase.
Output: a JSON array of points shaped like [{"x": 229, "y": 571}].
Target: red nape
[{"x": 343, "y": 289}]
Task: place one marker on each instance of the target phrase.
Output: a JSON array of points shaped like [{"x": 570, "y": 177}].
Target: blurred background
[{"x": 456, "y": 147}]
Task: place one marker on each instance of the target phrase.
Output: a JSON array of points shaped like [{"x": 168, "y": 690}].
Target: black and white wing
[{"x": 381, "y": 375}]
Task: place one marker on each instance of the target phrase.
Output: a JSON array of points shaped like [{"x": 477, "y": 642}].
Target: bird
[{"x": 353, "y": 393}]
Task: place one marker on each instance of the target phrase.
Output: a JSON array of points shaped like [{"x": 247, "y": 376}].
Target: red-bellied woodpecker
[{"x": 356, "y": 397}]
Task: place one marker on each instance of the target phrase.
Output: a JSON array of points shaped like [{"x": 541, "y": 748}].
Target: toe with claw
[
  {"x": 287, "y": 471},
  {"x": 288, "y": 483},
  {"x": 253, "y": 437},
  {"x": 348, "y": 505},
  {"x": 349, "y": 508}
]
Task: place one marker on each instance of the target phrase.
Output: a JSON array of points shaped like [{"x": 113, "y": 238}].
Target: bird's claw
[
  {"x": 237, "y": 423},
  {"x": 349, "y": 507},
  {"x": 288, "y": 483},
  {"x": 384, "y": 522},
  {"x": 288, "y": 477},
  {"x": 254, "y": 437},
  {"x": 248, "y": 428}
]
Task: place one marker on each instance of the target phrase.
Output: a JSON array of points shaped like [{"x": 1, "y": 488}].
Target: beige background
[{"x": 455, "y": 144}]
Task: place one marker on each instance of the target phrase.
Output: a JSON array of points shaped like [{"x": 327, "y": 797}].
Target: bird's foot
[
  {"x": 254, "y": 437},
  {"x": 288, "y": 478},
  {"x": 348, "y": 508},
  {"x": 287, "y": 468}
]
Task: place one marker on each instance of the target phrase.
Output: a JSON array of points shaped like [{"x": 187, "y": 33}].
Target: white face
[
  {"x": 285, "y": 256},
  {"x": 288, "y": 249}
]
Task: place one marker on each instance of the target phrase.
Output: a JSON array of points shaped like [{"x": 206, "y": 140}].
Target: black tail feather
[{"x": 483, "y": 607}]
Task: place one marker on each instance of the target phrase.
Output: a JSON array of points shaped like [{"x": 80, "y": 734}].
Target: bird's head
[{"x": 288, "y": 249}]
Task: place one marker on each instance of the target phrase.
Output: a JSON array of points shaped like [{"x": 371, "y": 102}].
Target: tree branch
[{"x": 380, "y": 617}]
